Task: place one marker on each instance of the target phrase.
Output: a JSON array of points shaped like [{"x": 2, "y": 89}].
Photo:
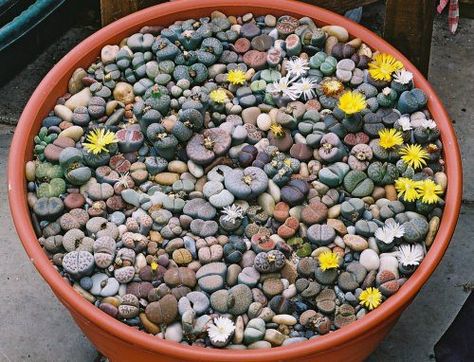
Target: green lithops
[
  {"x": 334, "y": 174},
  {"x": 46, "y": 171},
  {"x": 383, "y": 173},
  {"x": 325, "y": 63},
  {"x": 42, "y": 139},
  {"x": 358, "y": 183},
  {"x": 53, "y": 188}
]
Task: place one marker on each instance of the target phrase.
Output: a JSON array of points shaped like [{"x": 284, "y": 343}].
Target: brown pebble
[{"x": 391, "y": 193}]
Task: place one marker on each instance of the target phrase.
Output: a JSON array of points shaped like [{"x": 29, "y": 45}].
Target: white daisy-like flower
[
  {"x": 232, "y": 213},
  {"x": 297, "y": 67},
  {"x": 410, "y": 254},
  {"x": 389, "y": 231},
  {"x": 397, "y": 229},
  {"x": 306, "y": 87},
  {"x": 221, "y": 330},
  {"x": 386, "y": 91},
  {"x": 285, "y": 87},
  {"x": 428, "y": 124},
  {"x": 405, "y": 123},
  {"x": 403, "y": 76}
]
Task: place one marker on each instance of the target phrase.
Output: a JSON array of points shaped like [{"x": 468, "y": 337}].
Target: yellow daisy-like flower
[
  {"x": 277, "y": 130},
  {"x": 370, "y": 298},
  {"x": 352, "y": 102},
  {"x": 332, "y": 87},
  {"x": 236, "y": 76},
  {"x": 328, "y": 260},
  {"x": 407, "y": 188},
  {"x": 390, "y": 138},
  {"x": 414, "y": 155},
  {"x": 429, "y": 191},
  {"x": 98, "y": 140},
  {"x": 219, "y": 95},
  {"x": 383, "y": 66},
  {"x": 154, "y": 265}
]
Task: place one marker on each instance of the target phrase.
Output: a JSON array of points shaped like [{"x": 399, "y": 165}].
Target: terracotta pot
[{"x": 122, "y": 343}]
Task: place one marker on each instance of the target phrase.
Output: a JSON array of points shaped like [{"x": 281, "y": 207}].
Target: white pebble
[
  {"x": 285, "y": 319},
  {"x": 369, "y": 259},
  {"x": 195, "y": 170},
  {"x": 389, "y": 262},
  {"x": 63, "y": 112},
  {"x": 264, "y": 121}
]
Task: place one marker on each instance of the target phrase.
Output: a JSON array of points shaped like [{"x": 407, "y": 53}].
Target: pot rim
[{"x": 69, "y": 297}]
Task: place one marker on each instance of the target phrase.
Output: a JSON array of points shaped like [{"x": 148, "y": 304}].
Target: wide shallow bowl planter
[{"x": 122, "y": 343}]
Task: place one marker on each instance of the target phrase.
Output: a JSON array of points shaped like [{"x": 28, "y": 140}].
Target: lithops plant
[{"x": 238, "y": 181}]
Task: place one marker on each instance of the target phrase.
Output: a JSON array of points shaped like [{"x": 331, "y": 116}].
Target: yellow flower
[
  {"x": 390, "y": 138},
  {"x": 370, "y": 298},
  {"x": 98, "y": 140},
  {"x": 429, "y": 191},
  {"x": 154, "y": 265},
  {"x": 407, "y": 188},
  {"x": 414, "y": 155},
  {"x": 328, "y": 260},
  {"x": 277, "y": 130},
  {"x": 331, "y": 87},
  {"x": 383, "y": 66},
  {"x": 218, "y": 95},
  {"x": 352, "y": 102},
  {"x": 236, "y": 76}
]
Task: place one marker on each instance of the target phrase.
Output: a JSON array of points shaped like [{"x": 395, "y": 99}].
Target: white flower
[
  {"x": 428, "y": 123},
  {"x": 285, "y": 87},
  {"x": 403, "y": 76},
  {"x": 405, "y": 123},
  {"x": 232, "y": 213},
  {"x": 397, "y": 229},
  {"x": 386, "y": 91},
  {"x": 410, "y": 255},
  {"x": 297, "y": 67},
  {"x": 390, "y": 231},
  {"x": 221, "y": 330},
  {"x": 306, "y": 87}
]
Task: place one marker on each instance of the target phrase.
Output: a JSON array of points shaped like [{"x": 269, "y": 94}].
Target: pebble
[{"x": 369, "y": 259}]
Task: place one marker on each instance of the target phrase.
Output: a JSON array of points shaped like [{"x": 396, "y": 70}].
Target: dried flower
[
  {"x": 410, "y": 254},
  {"x": 405, "y": 123},
  {"x": 383, "y": 65},
  {"x": 277, "y": 130},
  {"x": 297, "y": 67},
  {"x": 403, "y": 76},
  {"x": 285, "y": 87},
  {"x": 428, "y": 191},
  {"x": 221, "y": 330},
  {"x": 232, "y": 213},
  {"x": 218, "y": 95},
  {"x": 414, "y": 155},
  {"x": 390, "y": 138},
  {"x": 390, "y": 231},
  {"x": 352, "y": 102},
  {"x": 236, "y": 77},
  {"x": 328, "y": 260},
  {"x": 370, "y": 298},
  {"x": 306, "y": 87},
  {"x": 407, "y": 188},
  {"x": 98, "y": 140},
  {"x": 331, "y": 87}
]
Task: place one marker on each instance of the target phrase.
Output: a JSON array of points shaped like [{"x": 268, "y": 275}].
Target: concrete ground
[{"x": 35, "y": 326}]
